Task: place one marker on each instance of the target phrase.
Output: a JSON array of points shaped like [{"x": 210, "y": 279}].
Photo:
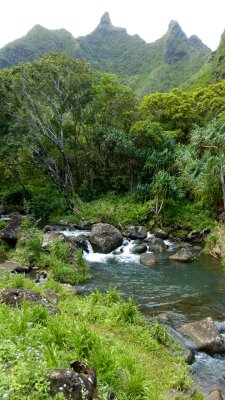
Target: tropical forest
[{"x": 112, "y": 216}]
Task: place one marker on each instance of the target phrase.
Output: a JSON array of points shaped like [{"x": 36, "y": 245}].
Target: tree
[
  {"x": 47, "y": 100},
  {"x": 209, "y": 143}
]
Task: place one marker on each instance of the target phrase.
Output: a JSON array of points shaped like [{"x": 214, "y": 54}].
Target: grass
[
  {"x": 125, "y": 210},
  {"x": 215, "y": 244},
  {"x": 56, "y": 261},
  {"x": 139, "y": 361}
]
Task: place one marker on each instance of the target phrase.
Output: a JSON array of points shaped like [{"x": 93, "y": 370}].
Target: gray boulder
[
  {"x": 183, "y": 255},
  {"x": 215, "y": 394},
  {"x": 147, "y": 259},
  {"x": 156, "y": 244},
  {"x": 205, "y": 335},
  {"x": 11, "y": 232},
  {"x": 136, "y": 232},
  {"x": 159, "y": 233},
  {"x": 139, "y": 248},
  {"x": 49, "y": 237},
  {"x": 105, "y": 238}
]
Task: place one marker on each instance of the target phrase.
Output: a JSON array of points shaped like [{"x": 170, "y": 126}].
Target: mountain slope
[
  {"x": 217, "y": 61},
  {"x": 38, "y": 41},
  {"x": 169, "y": 62}
]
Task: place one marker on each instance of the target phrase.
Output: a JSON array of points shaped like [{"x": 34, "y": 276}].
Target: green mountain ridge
[{"x": 169, "y": 62}]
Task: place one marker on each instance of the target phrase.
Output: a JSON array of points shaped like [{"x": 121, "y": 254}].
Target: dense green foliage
[
  {"x": 102, "y": 330},
  {"x": 174, "y": 60},
  {"x": 84, "y": 134}
]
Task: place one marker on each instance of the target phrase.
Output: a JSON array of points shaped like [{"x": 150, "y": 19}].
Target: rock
[
  {"x": 183, "y": 255},
  {"x": 193, "y": 235},
  {"x": 159, "y": 233},
  {"x": 189, "y": 356},
  {"x": 205, "y": 232},
  {"x": 81, "y": 242},
  {"x": 215, "y": 394},
  {"x": 13, "y": 266},
  {"x": 14, "y": 297},
  {"x": 138, "y": 248},
  {"x": 135, "y": 232},
  {"x": 79, "y": 384},
  {"x": 137, "y": 241},
  {"x": 105, "y": 238},
  {"x": 11, "y": 232},
  {"x": 184, "y": 245},
  {"x": 205, "y": 335},
  {"x": 165, "y": 317},
  {"x": 147, "y": 259},
  {"x": 49, "y": 237},
  {"x": 156, "y": 244},
  {"x": 185, "y": 394},
  {"x": 87, "y": 225}
]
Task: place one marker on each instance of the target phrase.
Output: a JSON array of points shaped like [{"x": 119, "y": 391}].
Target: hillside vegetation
[{"x": 169, "y": 62}]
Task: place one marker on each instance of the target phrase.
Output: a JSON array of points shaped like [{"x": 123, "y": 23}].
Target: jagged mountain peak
[
  {"x": 105, "y": 23},
  {"x": 105, "y": 19},
  {"x": 174, "y": 29}
]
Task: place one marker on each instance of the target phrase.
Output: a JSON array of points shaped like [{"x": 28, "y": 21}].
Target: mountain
[
  {"x": 217, "y": 61},
  {"x": 171, "y": 61},
  {"x": 38, "y": 41}
]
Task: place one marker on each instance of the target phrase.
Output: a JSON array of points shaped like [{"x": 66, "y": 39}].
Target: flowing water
[{"x": 189, "y": 291}]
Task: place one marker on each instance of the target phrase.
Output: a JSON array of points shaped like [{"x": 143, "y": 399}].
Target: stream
[{"x": 189, "y": 291}]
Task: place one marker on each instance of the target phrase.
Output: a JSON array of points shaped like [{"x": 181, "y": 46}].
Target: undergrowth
[{"x": 139, "y": 361}]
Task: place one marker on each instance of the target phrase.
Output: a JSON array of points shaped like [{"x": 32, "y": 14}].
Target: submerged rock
[
  {"x": 147, "y": 259},
  {"x": 136, "y": 232},
  {"x": 183, "y": 255},
  {"x": 205, "y": 335},
  {"x": 105, "y": 238}
]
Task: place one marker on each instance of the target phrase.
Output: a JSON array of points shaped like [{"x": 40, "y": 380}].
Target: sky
[{"x": 147, "y": 18}]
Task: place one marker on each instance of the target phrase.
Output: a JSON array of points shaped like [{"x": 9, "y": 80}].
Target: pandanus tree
[{"x": 209, "y": 145}]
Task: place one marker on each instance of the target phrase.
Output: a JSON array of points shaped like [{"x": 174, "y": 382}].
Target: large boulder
[
  {"x": 147, "y": 259},
  {"x": 183, "y": 255},
  {"x": 205, "y": 335},
  {"x": 11, "y": 232},
  {"x": 136, "y": 232},
  {"x": 79, "y": 384},
  {"x": 105, "y": 238},
  {"x": 156, "y": 244}
]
